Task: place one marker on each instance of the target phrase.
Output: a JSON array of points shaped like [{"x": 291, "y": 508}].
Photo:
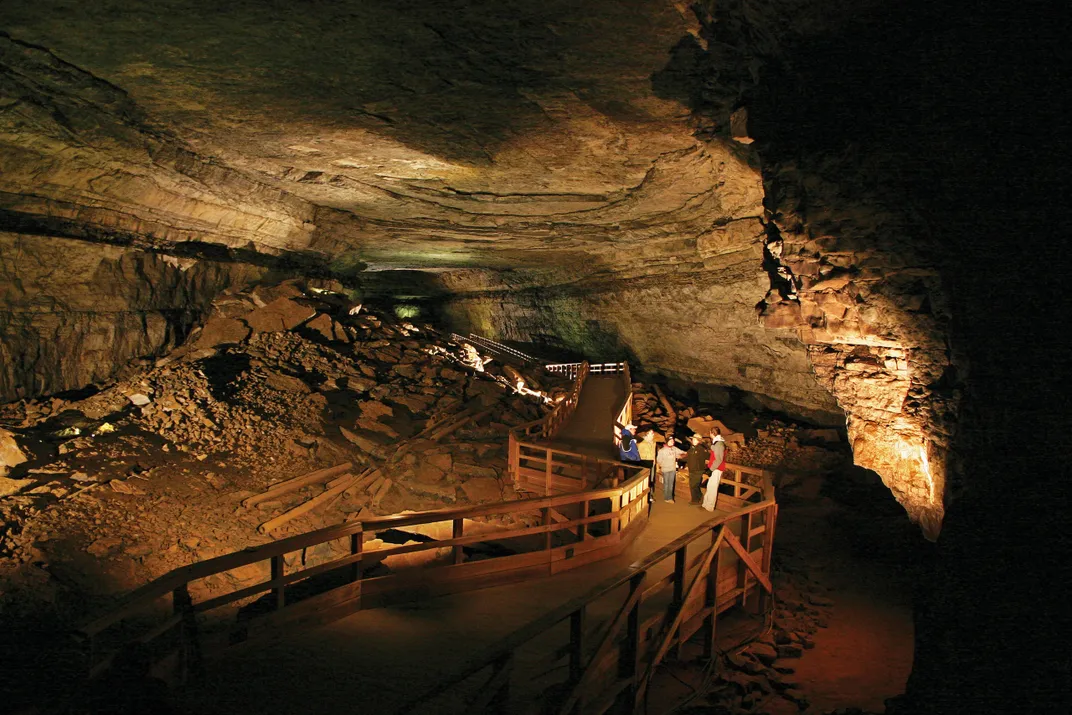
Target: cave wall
[
  {"x": 692, "y": 319},
  {"x": 73, "y": 312}
]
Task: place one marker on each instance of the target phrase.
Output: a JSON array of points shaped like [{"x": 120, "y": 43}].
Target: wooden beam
[
  {"x": 748, "y": 561},
  {"x": 296, "y": 483},
  {"x": 307, "y": 506}
]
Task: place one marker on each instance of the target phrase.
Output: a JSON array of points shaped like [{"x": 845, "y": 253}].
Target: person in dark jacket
[
  {"x": 696, "y": 461},
  {"x": 627, "y": 447}
]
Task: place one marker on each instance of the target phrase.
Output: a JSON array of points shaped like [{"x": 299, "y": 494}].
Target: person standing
[
  {"x": 666, "y": 460},
  {"x": 717, "y": 462},
  {"x": 696, "y": 461},
  {"x": 627, "y": 446}
]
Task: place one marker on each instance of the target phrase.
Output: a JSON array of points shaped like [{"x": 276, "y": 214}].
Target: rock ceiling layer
[{"x": 564, "y": 167}]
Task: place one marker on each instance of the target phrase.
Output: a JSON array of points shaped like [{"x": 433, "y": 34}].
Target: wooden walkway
[
  {"x": 374, "y": 661},
  {"x": 588, "y": 574},
  {"x": 591, "y": 428}
]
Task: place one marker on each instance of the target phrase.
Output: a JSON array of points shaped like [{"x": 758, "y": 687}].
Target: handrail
[
  {"x": 574, "y": 610},
  {"x": 494, "y": 346},
  {"x": 625, "y": 497}
]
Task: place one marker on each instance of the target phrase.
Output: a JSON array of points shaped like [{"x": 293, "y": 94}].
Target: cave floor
[{"x": 865, "y": 654}]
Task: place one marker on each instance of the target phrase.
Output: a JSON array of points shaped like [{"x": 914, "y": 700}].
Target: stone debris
[
  {"x": 148, "y": 473},
  {"x": 10, "y": 453}
]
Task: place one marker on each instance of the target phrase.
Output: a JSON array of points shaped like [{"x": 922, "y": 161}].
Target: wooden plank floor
[
  {"x": 371, "y": 661},
  {"x": 591, "y": 428}
]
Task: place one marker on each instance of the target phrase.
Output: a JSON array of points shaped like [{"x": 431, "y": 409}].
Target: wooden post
[
  {"x": 742, "y": 568},
  {"x": 711, "y": 599},
  {"x": 514, "y": 460},
  {"x": 615, "y": 512},
  {"x": 582, "y": 529},
  {"x": 629, "y": 655},
  {"x": 356, "y": 546},
  {"x": 770, "y": 516},
  {"x": 459, "y": 552},
  {"x": 546, "y": 521},
  {"x": 577, "y": 623},
  {"x": 181, "y": 604},
  {"x": 679, "y": 591},
  {"x": 278, "y": 588},
  {"x": 547, "y": 473}
]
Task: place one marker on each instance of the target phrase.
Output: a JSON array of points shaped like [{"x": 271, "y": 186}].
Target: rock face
[{"x": 72, "y": 312}]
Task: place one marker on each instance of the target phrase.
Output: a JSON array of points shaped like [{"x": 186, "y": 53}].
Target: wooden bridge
[{"x": 573, "y": 610}]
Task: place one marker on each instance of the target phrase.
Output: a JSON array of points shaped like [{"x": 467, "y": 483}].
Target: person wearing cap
[
  {"x": 716, "y": 462},
  {"x": 666, "y": 460},
  {"x": 627, "y": 446},
  {"x": 696, "y": 461}
]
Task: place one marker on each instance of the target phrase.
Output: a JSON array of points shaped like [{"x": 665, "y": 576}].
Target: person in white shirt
[{"x": 667, "y": 460}]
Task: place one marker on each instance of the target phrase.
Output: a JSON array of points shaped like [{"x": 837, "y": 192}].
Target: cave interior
[{"x": 836, "y": 213}]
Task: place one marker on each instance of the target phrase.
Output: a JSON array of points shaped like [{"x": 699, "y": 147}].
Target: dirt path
[{"x": 864, "y": 656}]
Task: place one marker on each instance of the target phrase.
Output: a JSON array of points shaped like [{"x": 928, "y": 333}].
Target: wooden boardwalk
[
  {"x": 587, "y": 574},
  {"x": 591, "y": 428},
  {"x": 376, "y": 660}
]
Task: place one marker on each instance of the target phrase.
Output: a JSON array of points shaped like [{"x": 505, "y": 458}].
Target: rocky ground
[{"x": 103, "y": 491}]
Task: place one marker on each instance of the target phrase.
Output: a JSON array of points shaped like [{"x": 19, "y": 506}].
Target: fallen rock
[
  {"x": 13, "y": 486},
  {"x": 281, "y": 314},
  {"x": 10, "y": 454},
  {"x": 482, "y": 489},
  {"x": 104, "y": 546},
  {"x": 474, "y": 470},
  {"x": 287, "y": 383},
  {"x": 138, "y": 399},
  {"x": 765, "y": 652},
  {"x": 222, "y": 331}
]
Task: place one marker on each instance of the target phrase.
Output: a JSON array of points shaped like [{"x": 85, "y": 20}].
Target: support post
[
  {"x": 278, "y": 589},
  {"x": 546, "y": 521},
  {"x": 547, "y": 472},
  {"x": 711, "y": 600},
  {"x": 679, "y": 591},
  {"x": 742, "y": 568},
  {"x": 629, "y": 656},
  {"x": 356, "y": 545},
  {"x": 577, "y": 623},
  {"x": 459, "y": 551}
]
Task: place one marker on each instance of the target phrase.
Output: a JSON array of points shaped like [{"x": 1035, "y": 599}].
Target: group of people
[{"x": 699, "y": 459}]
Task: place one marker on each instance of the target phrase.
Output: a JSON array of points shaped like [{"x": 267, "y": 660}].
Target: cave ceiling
[{"x": 445, "y": 128}]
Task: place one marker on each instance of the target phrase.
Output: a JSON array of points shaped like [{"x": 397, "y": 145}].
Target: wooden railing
[
  {"x": 570, "y": 369},
  {"x": 599, "y": 651},
  {"x": 495, "y": 347},
  {"x": 563, "y": 532}
]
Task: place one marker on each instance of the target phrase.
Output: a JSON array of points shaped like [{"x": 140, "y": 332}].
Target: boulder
[
  {"x": 13, "y": 486},
  {"x": 280, "y": 314},
  {"x": 482, "y": 489},
  {"x": 222, "y": 331},
  {"x": 10, "y": 454}
]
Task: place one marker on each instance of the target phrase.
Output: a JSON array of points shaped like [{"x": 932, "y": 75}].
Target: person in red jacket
[{"x": 716, "y": 463}]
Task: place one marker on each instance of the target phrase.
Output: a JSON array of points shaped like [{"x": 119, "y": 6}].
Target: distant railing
[
  {"x": 598, "y": 652},
  {"x": 571, "y": 530},
  {"x": 569, "y": 369},
  {"x": 494, "y": 346}
]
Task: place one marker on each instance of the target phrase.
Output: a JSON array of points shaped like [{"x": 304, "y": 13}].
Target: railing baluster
[
  {"x": 357, "y": 541},
  {"x": 459, "y": 551},
  {"x": 679, "y": 591},
  {"x": 577, "y": 624},
  {"x": 278, "y": 588}
]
